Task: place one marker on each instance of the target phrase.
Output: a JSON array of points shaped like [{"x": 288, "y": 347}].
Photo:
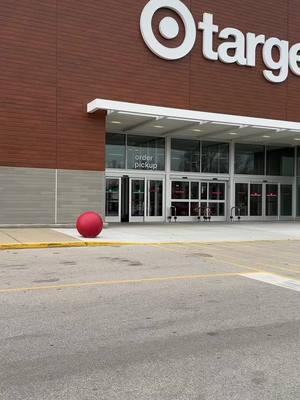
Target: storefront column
[
  {"x": 168, "y": 185},
  {"x": 295, "y": 186},
  {"x": 231, "y": 189}
]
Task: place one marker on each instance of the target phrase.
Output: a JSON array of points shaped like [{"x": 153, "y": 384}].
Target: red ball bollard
[{"x": 89, "y": 224}]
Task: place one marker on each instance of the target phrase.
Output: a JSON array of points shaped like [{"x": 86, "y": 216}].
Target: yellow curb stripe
[
  {"x": 24, "y": 246},
  {"x": 47, "y": 245},
  {"x": 122, "y": 282}
]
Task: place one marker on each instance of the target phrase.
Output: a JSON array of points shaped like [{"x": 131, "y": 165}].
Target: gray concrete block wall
[
  {"x": 33, "y": 196},
  {"x": 77, "y": 192},
  {"x": 27, "y": 196}
]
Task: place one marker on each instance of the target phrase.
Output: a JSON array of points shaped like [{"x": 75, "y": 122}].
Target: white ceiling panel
[
  {"x": 242, "y": 132},
  {"x": 163, "y": 126},
  {"x": 271, "y": 136},
  {"x": 151, "y": 125},
  {"x": 121, "y": 122}
]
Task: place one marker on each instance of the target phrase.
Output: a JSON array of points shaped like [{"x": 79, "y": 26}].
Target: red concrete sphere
[{"x": 89, "y": 224}]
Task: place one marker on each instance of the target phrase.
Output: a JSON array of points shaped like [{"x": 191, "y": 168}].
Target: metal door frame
[
  {"x": 201, "y": 180},
  {"x": 264, "y": 217},
  {"x": 133, "y": 218},
  {"x": 147, "y": 184},
  {"x": 118, "y": 218},
  {"x": 146, "y": 217}
]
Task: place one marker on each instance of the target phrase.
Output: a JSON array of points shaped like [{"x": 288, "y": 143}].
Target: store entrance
[
  {"x": 146, "y": 200},
  {"x": 133, "y": 199},
  {"x": 267, "y": 201},
  {"x": 192, "y": 200}
]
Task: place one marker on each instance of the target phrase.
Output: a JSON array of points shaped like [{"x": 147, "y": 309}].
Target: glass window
[
  {"x": 298, "y": 161},
  {"x": 286, "y": 200},
  {"x": 241, "y": 198},
  {"x": 180, "y": 190},
  {"x": 255, "y": 200},
  {"x": 280, "y": 161},
  {"x": 112, "y": 198},
  {"x": 217, "y": 191},
  {"x": 137, "y": 197},
  {"x": 298, "y": 197},
  {"x": 185, "y": 155},
  {"x": 115, "y": 150},
  {"x": 145, "y": 153},
  {"x": 204, "y": 209},
  {"x": 249, "y": 159},
  {"x": 215, "y": 157},
  {"x": 204, "y": 191},
  {"x": 217, "y": 209},
  {"x": 271, "y": 200},
  {"x": 195, "y": 209},
  {"x": 182, "y": 208},
  {"x": 194, "y": 190},
  {"x": 155, "y": 198}
]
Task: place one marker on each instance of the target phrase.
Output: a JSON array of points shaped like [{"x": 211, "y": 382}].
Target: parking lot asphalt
[{"x": 179, "y": 321}]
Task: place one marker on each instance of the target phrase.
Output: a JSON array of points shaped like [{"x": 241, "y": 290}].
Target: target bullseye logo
[
  {"x": 168, "y": 28},
  {"x": 233, "y": 46}
]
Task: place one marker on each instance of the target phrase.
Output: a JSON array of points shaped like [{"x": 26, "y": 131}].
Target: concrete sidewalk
[
  {"x": 33, "y": 235},
  {"x": 194, "y": 232},
  {"x": 122, "y": 234}
]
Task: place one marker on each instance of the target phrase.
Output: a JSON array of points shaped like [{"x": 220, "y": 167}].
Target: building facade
[{"x": 147, "y": 110}]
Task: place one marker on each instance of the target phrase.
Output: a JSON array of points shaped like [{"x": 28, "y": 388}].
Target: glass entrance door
[
  {"x": 286, "y": 201},
  {"x": 269, "y": 201},
  {"x": 146, "y": 201},
  {"x": 137, "y": 200},
  {"x": 155, "y": 205},
  {"x": 256, "y": 197},
  {"x": 113, "y": 200},
  {"x": 193, "y": 199}
]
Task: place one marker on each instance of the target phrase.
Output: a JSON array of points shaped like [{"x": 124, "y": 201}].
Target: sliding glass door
[
  {"x": 113, "y": 200},
  {"x": 191, "y": 199},
  {"x": 265, "y": 201},
  {"x": 146, "y": 202}
]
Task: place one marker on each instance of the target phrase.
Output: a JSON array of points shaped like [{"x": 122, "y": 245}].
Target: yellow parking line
[
  {"x": 123, "y": 282},
  {"x": 257, "y": 246},
  {"x": 235, "y": 264},
  {"x": 239, "y": 265},
  {"x": 174, "y": 248},
  {"x": 261, "y": 264},
  {"x": 223, "y": 261},
  {"x": 275, "y": 266},
  {"x": 242, "y": 247}
]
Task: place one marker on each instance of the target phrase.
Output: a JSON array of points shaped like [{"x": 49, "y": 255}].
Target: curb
[{"x": 53, "y": 245}]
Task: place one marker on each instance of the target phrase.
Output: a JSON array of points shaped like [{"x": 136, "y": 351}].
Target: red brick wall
[{"x": 54, "y": 58}]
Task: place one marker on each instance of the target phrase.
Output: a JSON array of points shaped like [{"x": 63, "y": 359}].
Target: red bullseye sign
[{"x": 89, "y": 224}]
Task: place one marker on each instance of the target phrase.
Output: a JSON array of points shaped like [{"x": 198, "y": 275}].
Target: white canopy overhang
[{"x": 124, "y": 117}]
